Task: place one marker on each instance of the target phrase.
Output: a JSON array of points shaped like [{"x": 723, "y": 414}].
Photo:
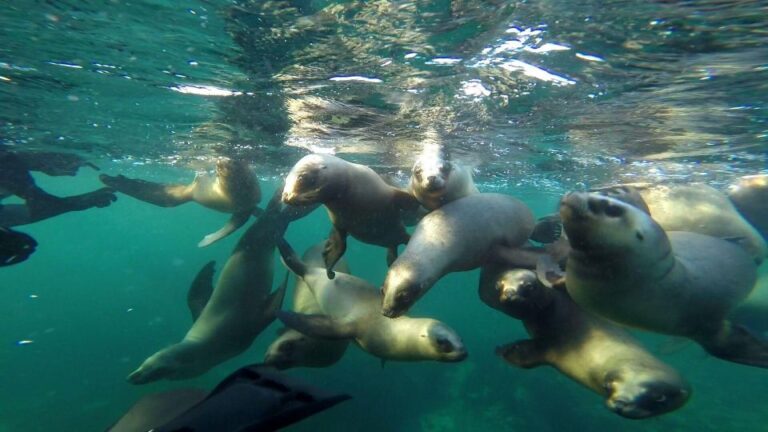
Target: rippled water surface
[{"x": 539, "y": 97}]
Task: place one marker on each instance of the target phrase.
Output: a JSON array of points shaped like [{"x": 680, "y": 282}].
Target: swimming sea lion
[
  {"x": 294, "y": 349},
  {"x": 359, "y": 203},
  {"x": 625, "y": 267},
  {"x": 436, "y": 180},
  {"x": 695, "y": 208},
  {"x": 235, "y": 189},
  {"x": 590, "y": 350},
  {"x": 461, "y": 235},
  {"x": 750, "y": 196},
  {"x": 350, "y": 309},
  {"x": 240, "y": 308}
]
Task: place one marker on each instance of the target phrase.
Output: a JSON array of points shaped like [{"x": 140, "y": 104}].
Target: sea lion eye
[
  {"x": 445, "y": 169},
  {"x": 443, "y": 344},
  {"x": 306, "y": 180},
  {"x": 639, "y": 235}
]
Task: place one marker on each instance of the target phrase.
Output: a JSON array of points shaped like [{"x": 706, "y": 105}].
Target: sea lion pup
[
  {"x": 590, "y": 350},
  {"x": 625, "y": 267},
  {"x": 350, "y": 309},
  {"x": 234, "y": 189},
  {"x": 294, "y": 349},
  {"x": 695, "y": 208},
  {"x": 461, "y": 235},
  {"x": 359, "y": 203},
  {"x": 749, "y": 195},
  {"x": 239, "y": 309},
  {"x": 436, "y": 180}
]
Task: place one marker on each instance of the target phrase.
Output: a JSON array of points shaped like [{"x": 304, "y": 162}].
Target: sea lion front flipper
[
  {"x": 317, "y": 325},
  {"x": 737, "y": 344},
  {"x": 15, "y": 247},
  {"x": 548, "y": 229},
  {"x": 154, "y": 193},
  {"x": 201, "y": 289},
  {"x": 254, "y": 398},
  {"x": 236, "y": 221},
  {"x": 549, "y": 273},
  {"x": 528, "y": 353},
  {"x": 334, "y": 249}
]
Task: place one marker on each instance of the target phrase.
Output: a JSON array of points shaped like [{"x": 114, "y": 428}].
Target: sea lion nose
[{"x": 597, "y": 205}]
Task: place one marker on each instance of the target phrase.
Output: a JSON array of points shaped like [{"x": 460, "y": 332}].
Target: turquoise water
[{"x": 541, "y": 97}]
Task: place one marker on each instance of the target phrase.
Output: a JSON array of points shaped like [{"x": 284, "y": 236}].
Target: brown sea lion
[
  {"x": 359, "y": 203},
  {"x": 436, "y": 180}
]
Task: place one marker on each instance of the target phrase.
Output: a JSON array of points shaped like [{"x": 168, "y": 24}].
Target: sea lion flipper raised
[
  {"x": 548, "y": 229},
  {"x": 334, "y": 249},
  {"x": 738, "y": 344},
  {"x": 526, "y": 353},
  {"x": 236, "y": 221},
  {"x": 154, "y": 193},
  {"x": 201, "y": 289},
  {"x": 317, "y": 325}
]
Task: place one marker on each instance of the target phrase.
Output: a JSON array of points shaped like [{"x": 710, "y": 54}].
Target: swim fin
[{"x": 15, "y": 246}]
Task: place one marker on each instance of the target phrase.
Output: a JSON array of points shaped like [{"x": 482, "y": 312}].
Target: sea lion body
[
  {"x": 459, "y": 236},
  {"x": 240, "y": 308},
  {"x": 235, "y": 189},
  {"x": 436, "y": 180},
  {"x": 695, "y": 208},
  {"x": 625, "y": 267},
  {"x": 749, "y": 195},
  {"x": 294, "y": 349},
  {"x": 351, "y": 310},
  {"x": 592, "y": 351},
  {"x": 359, "y": 203}
]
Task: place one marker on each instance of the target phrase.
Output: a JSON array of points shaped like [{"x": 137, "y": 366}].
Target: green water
[{"x": 680, "y": 94}]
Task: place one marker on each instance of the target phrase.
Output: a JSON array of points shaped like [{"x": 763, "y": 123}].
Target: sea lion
[
  {"x": 436, "y": 180},
  {"x": 459, "y": 236},
  {"x": 749, "y": 195},
  {"x": 294, "y": 349},
  {"x": 359, "y": 203},
  {"x": 350, "y": 309},
  {"x": 592, "y": 351},
  {"x": 695, "y": 208},
  {"x": 625, "y": 267},
  {"x": 235, "y": 189},
  {"x": 240, "y": 308}
]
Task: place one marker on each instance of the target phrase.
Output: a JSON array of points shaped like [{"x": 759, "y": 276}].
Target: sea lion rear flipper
[
  {"x": 737, "y": 344},
  {"x": 154, "y": 193},
  {"x": 275, "y": 302},
  {"x": 334, "y": 249},
  {"x": 236, "y": 221},
  {"x": 317, "y": 325},
  {"x": 200, "y": 290},
  {"x": 548, "y": 229},
  {"x": 549, "y": 273},
  {"x": 15, "y": 247},
  {"x": 528, "y": 353},
  {"x": 254, "y": 399}
]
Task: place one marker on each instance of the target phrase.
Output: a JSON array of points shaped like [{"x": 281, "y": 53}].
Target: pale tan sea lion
[
  {"x": 294, "y": 349},
  {"x": 240, "y": 308},
  {"x": 625, "y": 267},
  {"x": 234, "y": 189},
  {"x": 436, "y": 180},
  {"x": 749, "y": 195},
  {"x": 695, "y": 208},
  {"x": 592, "y": 351},
  {"x": 351, "y": 310},
  {"x": 359, "y": 203},
  {"x": 459, "y": 236}
]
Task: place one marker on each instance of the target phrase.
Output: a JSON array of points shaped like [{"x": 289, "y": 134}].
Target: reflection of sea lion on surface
[
  {"x": 459, "y": 236},
  {"x": 625, "y": 267},
  {"x": 15, "y": 179},
  {"x": 235, "y": 190},
  {"x": 295, "y": 349},
  {"x": 590, "y": 350},
  {"x": 359, "y": 203},
  {"x": 240, "y": 308},
  {"x": 253, "y": 398},
  {"x": 351, "y": 309}
]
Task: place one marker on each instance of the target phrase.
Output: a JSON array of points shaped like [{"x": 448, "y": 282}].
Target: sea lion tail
[
  {"x": 736, "y": 343},
  {"x": 290, "y": 258}
]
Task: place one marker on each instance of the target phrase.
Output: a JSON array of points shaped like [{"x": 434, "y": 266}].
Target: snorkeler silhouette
[{"x": 15, "y": 179}]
